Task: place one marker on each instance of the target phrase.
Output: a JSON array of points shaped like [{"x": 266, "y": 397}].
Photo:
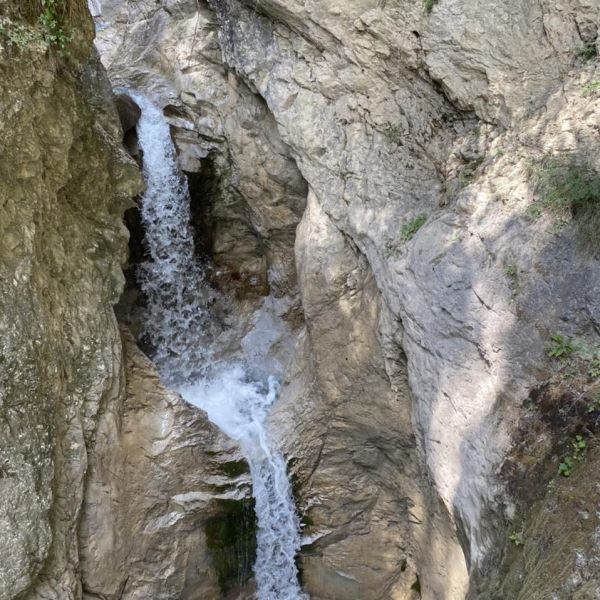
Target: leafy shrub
[
  {"x": 578, "y": 446},
  {"x": 569, "y": 183},
  {"x": 52, "y": 20},
  {"x": 52, "y": 17},
  {"x": 591, "y": 89},
  {"x": 393, "y": 132},
  {"x": 411, "y": 227},
  {"x": 587, "y": 52},
  {"x": 429, "y": 4},
  {"x": 560, "y": 347}
]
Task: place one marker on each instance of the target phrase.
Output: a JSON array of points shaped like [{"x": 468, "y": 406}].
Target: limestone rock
[
  {"x": 247, "y": 193},
  {"x": 418, "y": 258},
  {"x": 159, "y": 473},
  {"x": 65, "y": 183},
  {"x": 382, "y": 148},
  {"x": 428, "y": 292}
]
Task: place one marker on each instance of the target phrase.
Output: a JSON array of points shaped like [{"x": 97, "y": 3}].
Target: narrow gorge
[{"x": 299, "y": 299}]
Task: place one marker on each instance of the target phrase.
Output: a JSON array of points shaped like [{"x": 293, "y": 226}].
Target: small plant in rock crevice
[
  {"x": 516, "y": 538},
  {"x": 52, "y": 21},
  {"x": 568, "y": 185},
  {"x": 393, "y": 132},
  {"x": 52, "y": 17},
  {"x": 592, "y": 358},
  {"x": 587, "y": 355},
  {"x": 429, "y": 4},
  {"x": 411, "y": 227},
  {"x": 594, "y": 404},
  {"x": 586, "y": 52},
  {"x": 559, "y": 347},
  {"x": 578, "y": 448},
  {"x": 591, "y": 88},
  {"x": 590, "y": 355},
  {"x": 16, "y": 35},
  {"x": 511, "y": 272}
]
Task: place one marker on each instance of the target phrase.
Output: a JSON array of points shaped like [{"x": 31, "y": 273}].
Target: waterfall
[{"x": 178, "y": 327}]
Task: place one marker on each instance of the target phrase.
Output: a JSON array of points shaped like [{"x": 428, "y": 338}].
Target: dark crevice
[
  {"x": 129, "y": 115},
  {"x": 204, "y": 188}
]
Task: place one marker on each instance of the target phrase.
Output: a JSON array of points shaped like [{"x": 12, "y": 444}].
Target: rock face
[
  {"x": 160, "y": 482},
  {"x": 429, "y": 286},
  {"x": 247, "y": 193},
  {"x": 65, "y": 184},
  {"x": 109, "y": 486}
]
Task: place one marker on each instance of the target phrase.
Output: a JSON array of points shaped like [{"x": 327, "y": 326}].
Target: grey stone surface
[
  {"x": 390, "y": 113},
  {"x": 65, "y": 182},
  {"x": 158, "y": 472}
]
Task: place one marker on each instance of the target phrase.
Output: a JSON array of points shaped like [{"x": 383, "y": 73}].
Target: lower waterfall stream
[{"x": 177, "y": 323}]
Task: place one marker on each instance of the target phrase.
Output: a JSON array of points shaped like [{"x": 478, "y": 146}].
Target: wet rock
[{"x": 164, "y": 492}]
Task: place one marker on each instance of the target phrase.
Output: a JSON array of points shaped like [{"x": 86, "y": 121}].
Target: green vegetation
[
  {"x": 587, "y": 52},
  {"x": 591, "y": 89},
  {"x": 516, "y": 538},
  {"x": 578, "y": 446},
  {"x": 411, "y": 227},
  {"x": 511, "y": 273},
  {"x": 586, "y": 363},
  {"x": 568, "y": 184},
  {"x": 51, "y": 16},
  {"x": 594, "y": 368},
  {"x": 52, "y": 21},
  {"x": 393, "y": 132},
  {"x": 594, "y": 404},
  {"x": 560, "y": 347},
  {"x": 17, "y": 35},
  {"x": 429, "y": 4},
  {"x": 590, "y": 355},
  {"x": 231, "y": 541}
]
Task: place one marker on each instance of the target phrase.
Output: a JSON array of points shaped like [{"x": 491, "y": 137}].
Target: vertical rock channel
[{"x": 179, "y": 327}]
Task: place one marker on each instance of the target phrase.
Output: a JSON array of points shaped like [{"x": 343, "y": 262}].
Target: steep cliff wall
[
  {"x": 422, "y": 150},
  {"x": 109, "y": 485},
  {"x": 166, "y": 512},
  {"x": 65, "y": 184},
  {"x": 433, "y": 269},
  {"x": 395, "y": 113}
]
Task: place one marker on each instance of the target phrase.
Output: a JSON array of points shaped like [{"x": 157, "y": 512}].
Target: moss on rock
[{"x": 231, "y": 541}]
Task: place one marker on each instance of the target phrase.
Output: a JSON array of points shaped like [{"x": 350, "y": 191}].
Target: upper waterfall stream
[{"x": 179, "y": 327}]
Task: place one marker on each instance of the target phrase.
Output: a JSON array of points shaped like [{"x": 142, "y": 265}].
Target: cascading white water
[
  {"x": 176, "y": 321},
  {"x": 179, "y": 329}
]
